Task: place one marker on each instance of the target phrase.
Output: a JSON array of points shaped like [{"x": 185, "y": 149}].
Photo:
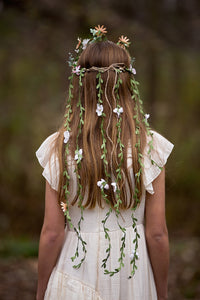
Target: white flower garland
[{"x": 98, "y": 35}]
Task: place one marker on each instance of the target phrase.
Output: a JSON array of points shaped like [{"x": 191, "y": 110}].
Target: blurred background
[{"x": 35, "y": 39}]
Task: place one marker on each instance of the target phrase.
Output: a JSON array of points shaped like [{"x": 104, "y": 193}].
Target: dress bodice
[{"x": 93, "y": 217}]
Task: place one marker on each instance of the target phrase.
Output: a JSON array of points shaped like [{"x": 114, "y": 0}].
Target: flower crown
[{"x": 98, "y": 34}]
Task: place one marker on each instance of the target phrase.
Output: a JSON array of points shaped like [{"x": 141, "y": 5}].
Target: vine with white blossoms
[{"x": 98, "y": 34}]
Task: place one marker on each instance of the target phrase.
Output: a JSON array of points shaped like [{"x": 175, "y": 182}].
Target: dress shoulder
[
  {"x": 158, "y": 158},
  {"x": 49, "y": 161}
]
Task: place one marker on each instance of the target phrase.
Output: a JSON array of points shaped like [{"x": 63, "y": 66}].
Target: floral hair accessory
[
  {"x": 79, "y": 43},
  {"x": 132, "y": 70},
  {"x": 66, "y": 136},
  {"x": 78, "y": 154},
  {"x": 85, "y": 43},
  {"x": 100, "y": 30},
  {"x": 99, "y": 109},
  {"x": 114, "y": 185},
  {"x": 63, "y": 206},
  {"x": 99, "y": 34},
  {"x": 118, "y": 110},
  {"x": 102, "y": 184},
  {"x": 123, "y": 42},
  {"x": 134, "y": 254},
  {"x": 76, "y": 70}
]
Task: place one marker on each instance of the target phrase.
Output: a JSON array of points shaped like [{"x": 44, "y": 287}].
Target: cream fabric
[{"x": 89, "y": 282}]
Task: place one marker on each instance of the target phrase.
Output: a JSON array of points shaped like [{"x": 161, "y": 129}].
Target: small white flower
[
  {"x": 84, "y": 43},
  {"x": 147, "y": 116},
  {"x": 63, "y": 206},
  {"x": 102, "y": 184},
  {"x": 137, "y": 255},
  {"x": 114, "y": 184},
  {"x": 134, "y": 254},
  {"x": 76, "y": 70},
  {"x": 93, "y": 31},
  {"x": 133, "y": 70},
  {"x": 118, "y": 111},
  {"x": 66, "y": 136},
  {"x": 99, "y": 109},
  {"x": 78, "y": 154}
]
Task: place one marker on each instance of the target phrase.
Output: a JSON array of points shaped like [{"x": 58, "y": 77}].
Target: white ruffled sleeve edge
[
  {"x": 159, "y": 154},
  {"x": 49, "y": 164}
]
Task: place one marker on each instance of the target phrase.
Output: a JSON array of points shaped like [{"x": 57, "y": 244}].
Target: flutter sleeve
[
  {"x": 159, "y": 154},
  {"x": 49, "y": 161}
]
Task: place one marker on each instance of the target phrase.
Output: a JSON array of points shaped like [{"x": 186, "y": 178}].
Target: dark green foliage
[{"x": 35, "y": 40}]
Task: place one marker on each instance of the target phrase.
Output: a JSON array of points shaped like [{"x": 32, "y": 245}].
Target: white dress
[{"x": 89, "y": 282}]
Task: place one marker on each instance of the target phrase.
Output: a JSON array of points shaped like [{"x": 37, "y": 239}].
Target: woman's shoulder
[
  {"x": 159, "y": 140},
  {"x": 49, "y": 161},
  {"x": 155, "y": 156},
  {"x": 43, "y": 152},
  {"x": 158, "y": 147}
]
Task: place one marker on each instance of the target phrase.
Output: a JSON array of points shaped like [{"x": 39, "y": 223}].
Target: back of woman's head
[{"x": 103, "y": 54}]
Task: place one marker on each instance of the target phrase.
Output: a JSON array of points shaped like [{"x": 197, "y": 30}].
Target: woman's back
[{"x": 89, "y": 281}]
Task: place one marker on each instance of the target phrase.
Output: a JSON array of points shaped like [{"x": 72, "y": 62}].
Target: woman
[{"x": 105, "y": 169}]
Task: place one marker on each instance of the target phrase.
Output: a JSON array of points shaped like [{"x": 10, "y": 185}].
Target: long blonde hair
[{"x": 101, "y": 55}]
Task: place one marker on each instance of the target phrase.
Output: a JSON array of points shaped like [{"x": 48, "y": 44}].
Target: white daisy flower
[
  {"x": 78, "y": 154},
  {"x": 76, "y": 70},
  {"x": 118, "y": 111},
  {"x": 131, "y": 255},
  {"x": 99, "y": 109},
  {"x": 66, "y": 136},
  {"x": 133, "y": 70},
  {"x": 102, "y": 184},
  {"x": 84, "y": 43},
  {"x": 114, "y": 185},
  {"x": 147, "y": 116},
  {"x": 137, "y": 255},
  {"x": 134, "y": 254}
]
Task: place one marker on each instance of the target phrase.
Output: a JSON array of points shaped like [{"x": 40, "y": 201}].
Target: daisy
[
  {"x": 123, "y": 42},
  {"x": 76, "y": 70},
  {"x": 63, "y": 206},
  {"x": 100, "y": 30}
]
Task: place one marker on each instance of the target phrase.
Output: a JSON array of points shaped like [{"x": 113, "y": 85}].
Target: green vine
[
  {"x": 65, "y": 172},
  {"x": 105, "y": 162},
  {"x": 135, "y": 243},
  {"x": 118, "y": 178},
  {"x": 98, "y": 35},
  {"x": 78, "y": 158}
]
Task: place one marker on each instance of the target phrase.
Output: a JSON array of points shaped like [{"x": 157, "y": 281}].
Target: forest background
[{"x": 35, "y": 39}]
